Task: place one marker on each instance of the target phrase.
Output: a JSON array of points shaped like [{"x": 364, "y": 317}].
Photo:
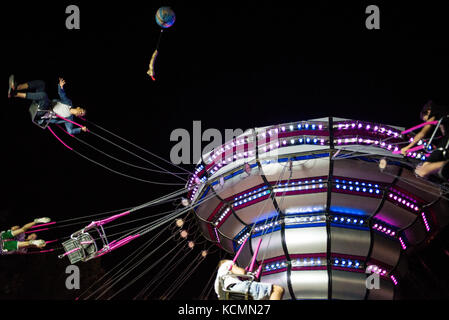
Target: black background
[{"x": 230, "y": 65}]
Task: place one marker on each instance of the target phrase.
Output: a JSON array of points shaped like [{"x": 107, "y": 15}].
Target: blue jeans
[
  {"x": 258, "y": 290},
  {"x": 39, "y": 95}
]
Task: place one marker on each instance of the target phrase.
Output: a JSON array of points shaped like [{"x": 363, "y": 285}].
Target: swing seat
[
  {"x": 228, "y": 294},
  {"x": 40, "y": 117},
  {"x": 82, "y": 246}
]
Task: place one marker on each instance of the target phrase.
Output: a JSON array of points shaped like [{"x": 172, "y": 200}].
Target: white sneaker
[
  {"x": 42, "y": 220},
  {"x": 37, "y": 243}
]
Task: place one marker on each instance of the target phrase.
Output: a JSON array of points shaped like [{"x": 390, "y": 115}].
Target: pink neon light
[
  {"x": 51, "y": 241},
  {"x": 402, "y": 243},
  {"x": 41, "y": 251},
  {"x": 77, "y": 124},
  {"x": 410, "y": 150},
  {"x": 259, "y": 270},
  {"x": 425, "y": 221},
  {"x": 64, "y": 130},
  {"x": 36, "y": 230},
  {"x": 216, "y": 234},
  {"x": 238, "y": 252},
  {"x": 107, "y": 220},
  {"x": 251, "y": 267},
  {"x": 116, "y": 244},
  {"x": 419, "y": 126},
  {"x": 71, "y": 251},
  {"x": 58, "y": 138},
  {"x": 42, "y": 225}
]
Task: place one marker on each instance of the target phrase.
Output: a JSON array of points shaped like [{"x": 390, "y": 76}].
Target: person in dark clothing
[{"x": 438, "y": 161}]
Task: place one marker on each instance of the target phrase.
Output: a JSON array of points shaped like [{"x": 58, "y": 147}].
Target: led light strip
[
  {"x": 402, "y": 242},
  {"x": 395, "y": 281},
  {"x": 245, "y": 195},
  {"x": 347, "y": 263},
  {"x": 222, "y": 215},
  {"x": 368, "y": 127},
  {"x": 299, "y": 185},
  {"x": 426, "y": 224},
  {"x": 251, "y": 198},
  {"x": 372, "y": 268},
  {"x": 357, "y": 186},
  {"x": 289, "y": 220},
  {"x": 404, "y": 202},
  {"x": 384, "y": 228},
  {"x": 274, "y": 266},
  {"x": 347, "y": 220}
]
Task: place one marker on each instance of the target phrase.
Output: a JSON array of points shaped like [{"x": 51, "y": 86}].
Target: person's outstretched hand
[
  {"x": 84, "y": 129},
  {"x": 61, "y": 83},
  {"x": 404, "y": 151}
]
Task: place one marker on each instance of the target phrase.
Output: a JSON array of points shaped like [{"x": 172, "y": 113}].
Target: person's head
[
  {"x": 78, "y": 111},
  {"x": 426, "y": 111}
]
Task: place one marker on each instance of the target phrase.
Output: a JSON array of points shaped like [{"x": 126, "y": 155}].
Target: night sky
[{"x": 241, "y": 65}]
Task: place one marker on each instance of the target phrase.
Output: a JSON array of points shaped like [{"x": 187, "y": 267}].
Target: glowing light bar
[
  {"x": 402, "y": 242},
  {"x": 349, "y": 220},
  {"x": 347, "y": 263},
  {"x": 375, "y": 269},
  {"x": 357, "y": 186},
  {"x": 395, "y": 281},
  {"x": 426, "y": 224},
  {"x": 251, "y": 198},
  {"x": 404, "y": 202},
  {"x": 384, "y": 228}
]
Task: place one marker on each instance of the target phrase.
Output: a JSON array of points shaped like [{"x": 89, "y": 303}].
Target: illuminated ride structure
[{"x": 328, "y": 214}]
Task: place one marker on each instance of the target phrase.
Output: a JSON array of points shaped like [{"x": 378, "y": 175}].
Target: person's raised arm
[
  {"x": 62, "y": 94},
  {"x": 420, "y": 135}
]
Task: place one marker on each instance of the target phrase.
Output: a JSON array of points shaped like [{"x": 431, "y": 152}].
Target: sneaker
[
  {"x": 38, "y": 243},
  {"x": 12, "y": 86},
  {"x": 42, "y": 220}
]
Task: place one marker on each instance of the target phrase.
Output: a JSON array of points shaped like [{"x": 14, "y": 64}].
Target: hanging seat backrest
[{"x": 36, "y": 115}]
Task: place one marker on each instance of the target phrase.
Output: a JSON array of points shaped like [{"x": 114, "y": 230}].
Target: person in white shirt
[
  {"x": 258, "y": 290},
  {"x": 62, "y": 107}
]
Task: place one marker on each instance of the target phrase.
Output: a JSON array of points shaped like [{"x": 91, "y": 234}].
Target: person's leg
[
  {"x": 32, "y": 243},
  {"x": 277, "y": 292},
  {"x": 36, "y": 85},
  {"x": 39, "y": 95},
  {"x": 22, "y": 86},
  {"x": 23, "y": 229}
]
